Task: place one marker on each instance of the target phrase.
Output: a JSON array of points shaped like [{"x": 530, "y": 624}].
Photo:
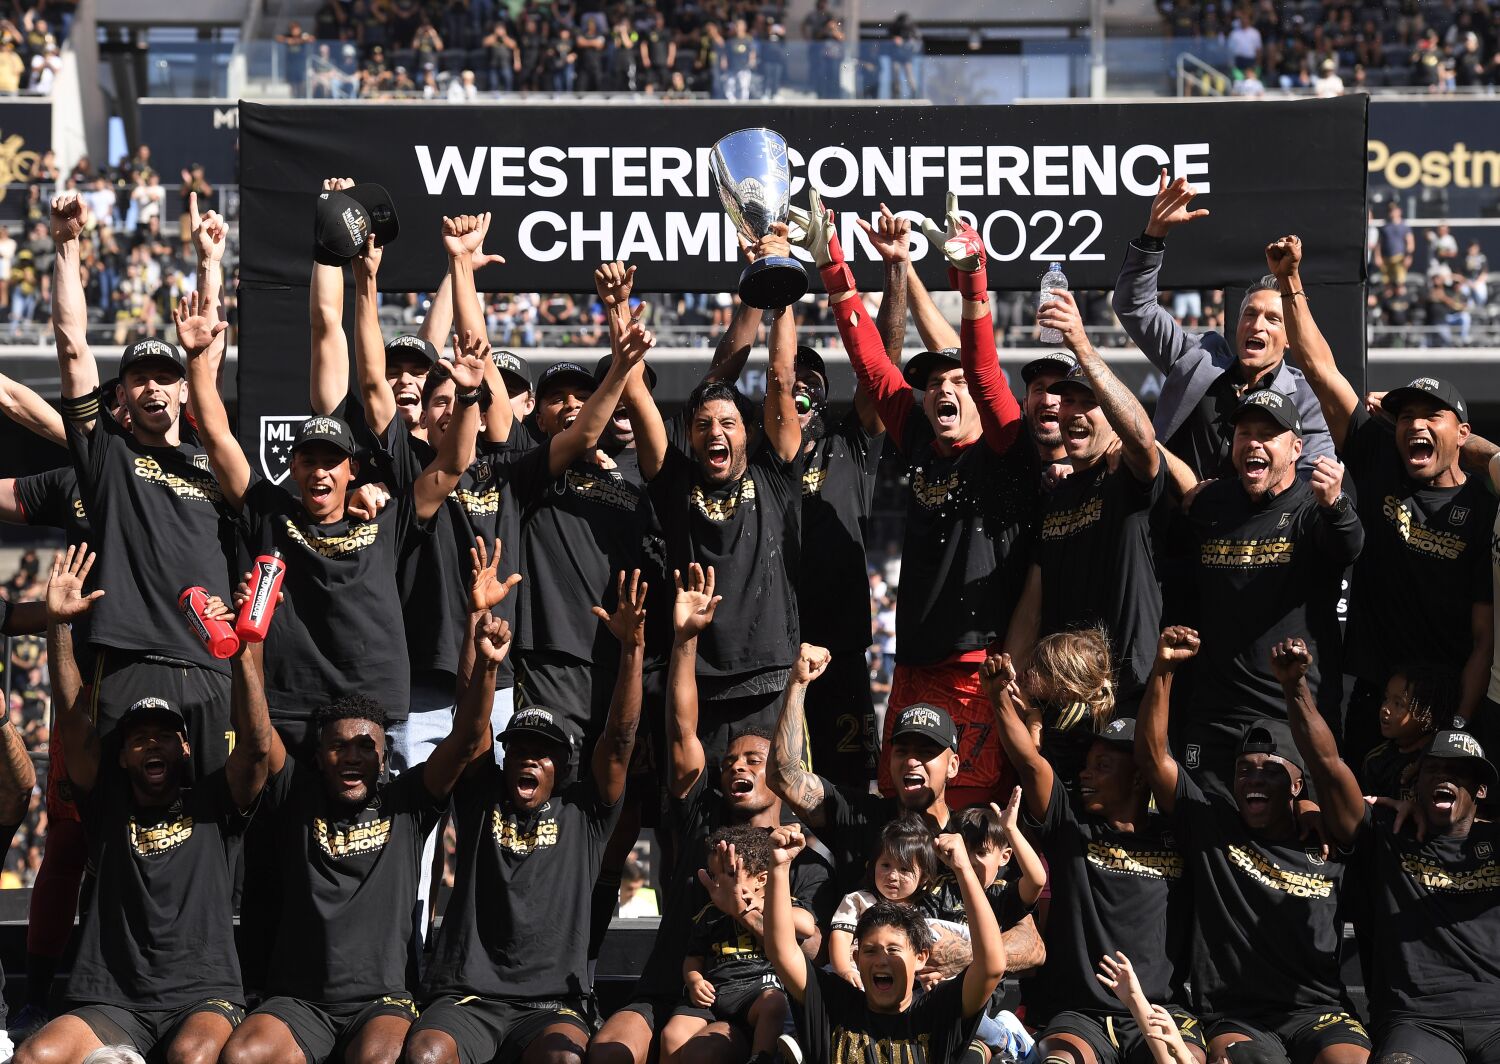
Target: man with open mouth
[
  {"x": 1432, "y": 872},
  {"x": 1428, "y": 525},
  {"x": 1206, "y": 374},
  {"x": 1268, "y": 927},
  {"x": 1269, "y": 549},
  {"x": 156, "y": 967},
  {"x": 973, "y": 493}
]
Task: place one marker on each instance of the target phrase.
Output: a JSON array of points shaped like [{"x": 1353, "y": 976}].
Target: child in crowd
[
  {"x": 732, "y": 996},
  {"x": 1068, "y": 696},
  {"x": 1163, "y": 1039},
  {"x": 905, "y": 866},
  {"x": 1416, "y": 698}
]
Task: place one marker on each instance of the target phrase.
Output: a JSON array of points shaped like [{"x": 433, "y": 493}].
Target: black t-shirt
[
  {"x": 348, "y": 885},
  {"x": 51, "y": 500},
  {"x": 967, "y": 547},
  {"x": 1436, "y": 919},
  {"x": 838, "y": 489},
  {"x": 1267, "y": 931},
  {"x": 434, "y": 571},
  {"x": 660, "y": 590},
  {"x": 158, "y": 525},
  {"x": 750, "y": 532},
  {"x": 1205, "y": 439},
  {"x": 731, "y": 954},
  {"x": 1265, "y": 571},
  {"x": 517, "y": 925},
  {"x": 1430, "y": 543},
  {"x": 1389, "y": 771},
  {"x": 839, "y": 1027},
  {"x": 336, "y": 632},
  {"x": 578, "y": 531},
  {"x": 160, "y": 933},
  {"x": 1094, "y": 550},
  {"x": 1111, "y": 890},
  {"x": 943, "y": 900}
]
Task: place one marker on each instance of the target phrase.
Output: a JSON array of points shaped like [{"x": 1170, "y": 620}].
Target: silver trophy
[{"x": 755, "y": 187}]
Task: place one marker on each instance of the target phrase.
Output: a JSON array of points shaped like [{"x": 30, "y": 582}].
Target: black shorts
[
  {"x": 841, "y": 721},
  {"x": 732, "y": 1001},
  {"x": 323, "y": 1032},
  {"x": 1115, "y": 1038},
  {"x": 494, "y": 1029},
  {"x": 200, "y": 695},
  {"x": 150, "y": 1031},
  {"x": 1300, "y": 1033},
  {"x": 655, "y": 1009},
  {"x": 1409, "y": 1040}
]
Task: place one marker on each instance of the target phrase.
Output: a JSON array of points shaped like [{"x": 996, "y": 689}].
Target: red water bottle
[
  {"x": 265, "y": 583},
  {"x": 216, "y": 635}
]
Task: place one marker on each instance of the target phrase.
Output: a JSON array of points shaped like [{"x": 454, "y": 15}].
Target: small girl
[
  {"x": 1069, "y": 696},
  {"x": 905, "y": 865},
  {"x": 1416, "y": 698}
]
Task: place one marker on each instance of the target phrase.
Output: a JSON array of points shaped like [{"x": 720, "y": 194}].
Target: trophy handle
[{"x": 773, "y": 282}]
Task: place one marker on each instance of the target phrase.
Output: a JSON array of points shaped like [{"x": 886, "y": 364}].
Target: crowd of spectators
[
  {"x": 31, "y": 36},
  {"x": 29, "y": 703},
  {"x": 1338, "y": 46}
]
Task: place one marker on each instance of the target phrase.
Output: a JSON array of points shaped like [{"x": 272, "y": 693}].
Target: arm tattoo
[
  {"x": 892, "y": 316},
  {"x": 950, "y": 955},
  {"x": 1023, "y": 947},
  {"x": 1121, "y": 407},
  {"x": 800, "y": 788}
]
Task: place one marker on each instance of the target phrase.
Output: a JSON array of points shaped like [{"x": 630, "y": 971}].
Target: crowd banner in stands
[
  {"x": 25, "y": 136},
  {"x": 571, "y": 185},
  {"x": 184, "y": 132},
  {"x": 1439, "y": 156}
]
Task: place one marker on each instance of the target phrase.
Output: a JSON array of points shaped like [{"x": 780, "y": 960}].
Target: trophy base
[{"x": 772, "y": 283}]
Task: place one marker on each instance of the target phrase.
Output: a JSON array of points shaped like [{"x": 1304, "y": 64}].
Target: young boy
[
  {"x": 1416, "y": 698},
  {"x": 885, "y": 1021},
  {"x": 730, "y": 988}
]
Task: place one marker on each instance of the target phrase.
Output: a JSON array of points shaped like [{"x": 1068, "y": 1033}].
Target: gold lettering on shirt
[
  {"x": 356, "y": 839},
  {"x": 1436, "y": 877},
  {"x": 1417, "y": 537},
  {"x": 196, "y": 489},
  {"x": 1245, "y": 553},
  {"x": 1064, "y": 523},
  {"x": 857, "y": 1047},
  {"x": 812, "y": 481},
  {"x": 719, "y": 510},
  {"x": 933, "y": 493},
  {"x": 1153, "y": 864},
  {"x": 352, "y": 542},
  {"x": 78, "y": 510},
  {"x": 149, "y": 841},
  {"x": 510, "y": 837},
  {"x": 477, "y": 503},
  {"x": 601, "y": 490},
  {"x": 1270, "y": 874}
]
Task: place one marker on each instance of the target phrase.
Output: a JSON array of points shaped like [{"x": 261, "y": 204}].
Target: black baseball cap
[
  {"x": 1276, "y": 405},
  {"x": 345, "y": 220},
  {"x": 407, "y": 345},
  {"x": 920, "y": 367},
  {"x": 151, "y": 708},
  {"x": 1444, "y": 393},
  {"x": 539, "y": 723},
  {"x": 1455, "y": 745},
  {"x": 929, "y": 721},
  {"x": 1118, "y": 732},
  {"x": 1074, "y": 378},
  {"x": 602, "y": 367},
  {"x": 511, "y": 364},
  {"x": 561, "y": 371},
  {"x": 809, "y": 359},
  {"x": 152, "y": 349},
  {"x": 330, "y": 430},
  {"x": 1052, "y": 362},
  {"x": 1272, "y": 737}
]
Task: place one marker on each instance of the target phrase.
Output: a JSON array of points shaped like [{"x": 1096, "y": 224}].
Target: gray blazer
[{"x": 1192, "y": 362}]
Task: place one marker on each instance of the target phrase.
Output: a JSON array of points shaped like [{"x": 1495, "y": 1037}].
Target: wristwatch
[{"x": 1341, "y": 505}]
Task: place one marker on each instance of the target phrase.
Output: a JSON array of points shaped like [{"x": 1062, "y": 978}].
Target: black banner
[
  {"x": 570, "y": 186},
  {"x": 184, "y": 132},
  {"x": 1439, "y": 156},
  {"x": 25, "y": 136}
]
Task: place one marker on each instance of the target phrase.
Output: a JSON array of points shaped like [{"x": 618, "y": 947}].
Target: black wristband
[
  {"x": 1147, "y": 242},
  {"x": 83, "y": 408},
  {"x": 469, "y": 398}
]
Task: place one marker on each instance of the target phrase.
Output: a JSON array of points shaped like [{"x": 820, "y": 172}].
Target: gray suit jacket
[{"x": 1192, "y": 362}]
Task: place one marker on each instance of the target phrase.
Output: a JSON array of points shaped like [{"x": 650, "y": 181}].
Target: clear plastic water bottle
[{"x": 1053, "y": 281}]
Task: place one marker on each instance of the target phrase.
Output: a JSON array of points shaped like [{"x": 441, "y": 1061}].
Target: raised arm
[
  {"x": 987, "y": 966},
  {"x": 329, "y": 377},
  {"x": 202, "y": 337},
  {"x": 258, "y": 752},
  {"x": 457, "y": 299},
  {"x": 789, "y": 777},
  {"x": 1121, "y": 408},
  {"x": 1335, "y": 394},
  {"x": 1118, "y": 975},
  {"x": 210, "y": 235},
  {"x": 487, "y": 642},
  {"x": 779, "y": 412},
  {"x": 29, "y": 410},
  {"x": 613, "y": 282},
  {"x": 1152, "y": 755},
  {"x": 471, "y": 354},
  {"x": 571, "y": 443},
  {"x": 1339, "y": 795},
  {"x": 17, "y": 774},
  {"x": 70, "y": 313},
  {"x": 628, "y": 625},
  {"x": 66, "y": 602},
  {"x": 1033, "y": 872},
  {"x": 1134, "y": 302},
  {"x": 891, "y": 237},
  {"x": 375, "y": 391},
  {"x": 932, "y": 328},
  {"x": 997, "y": 676},
  {"x": 780, "y": 938},
  {"x": 692, "y": 612},
  {"x": 733, "y": 349}
]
